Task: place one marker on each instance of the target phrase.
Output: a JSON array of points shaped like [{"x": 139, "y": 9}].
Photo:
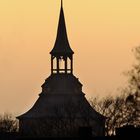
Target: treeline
[{"x": 120, "y": 111}]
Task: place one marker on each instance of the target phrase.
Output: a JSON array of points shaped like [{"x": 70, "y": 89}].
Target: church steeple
[
  {"x": 61, "y": 51},
  {"x": 61, "y": 95}
]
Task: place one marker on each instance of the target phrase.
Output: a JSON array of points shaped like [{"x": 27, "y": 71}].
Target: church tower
[
  {"x": 61, "y": 109},
  {"x": 62, "y": 51}
]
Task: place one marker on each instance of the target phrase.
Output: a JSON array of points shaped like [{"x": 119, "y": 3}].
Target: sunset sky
[{"x": 102, "y": 34}]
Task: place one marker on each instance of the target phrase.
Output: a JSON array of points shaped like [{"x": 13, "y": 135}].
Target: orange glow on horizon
[{"x": 101, "y": 33}]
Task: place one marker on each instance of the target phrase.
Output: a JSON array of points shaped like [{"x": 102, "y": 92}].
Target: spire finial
[{"x": 61, "y": 3}]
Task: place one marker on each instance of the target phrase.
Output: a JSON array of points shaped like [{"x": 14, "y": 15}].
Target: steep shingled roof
[{"x": 62, "y": 95}]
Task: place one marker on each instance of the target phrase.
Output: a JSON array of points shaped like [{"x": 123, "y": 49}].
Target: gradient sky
[{"x": 101, "y": 32}]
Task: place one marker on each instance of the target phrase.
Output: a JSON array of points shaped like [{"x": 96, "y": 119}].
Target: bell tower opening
[{"x": 61, "y": 64}]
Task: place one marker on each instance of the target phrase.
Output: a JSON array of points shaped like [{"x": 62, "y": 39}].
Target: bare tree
[
  {"x": 8, "y": 123},
  {"x": 119, "y": 111},
  {"x": 133, "y": 90},
  {"x": 124, "y": 109}
]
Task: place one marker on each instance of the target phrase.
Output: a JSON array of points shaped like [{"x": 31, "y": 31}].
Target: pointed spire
[
  {"x": 61, "y": 3},
  {"x": 61, "y": 46}
]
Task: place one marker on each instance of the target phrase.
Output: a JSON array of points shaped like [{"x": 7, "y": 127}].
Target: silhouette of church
[{"x": 61, "y": 109}]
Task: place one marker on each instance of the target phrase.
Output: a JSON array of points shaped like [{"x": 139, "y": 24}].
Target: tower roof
[
  {"x": 62, "y": 92},
  {"x": 61, "y": 46}
]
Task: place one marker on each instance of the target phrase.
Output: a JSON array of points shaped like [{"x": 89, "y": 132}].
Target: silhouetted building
[{"x": 61, "y": 109}]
